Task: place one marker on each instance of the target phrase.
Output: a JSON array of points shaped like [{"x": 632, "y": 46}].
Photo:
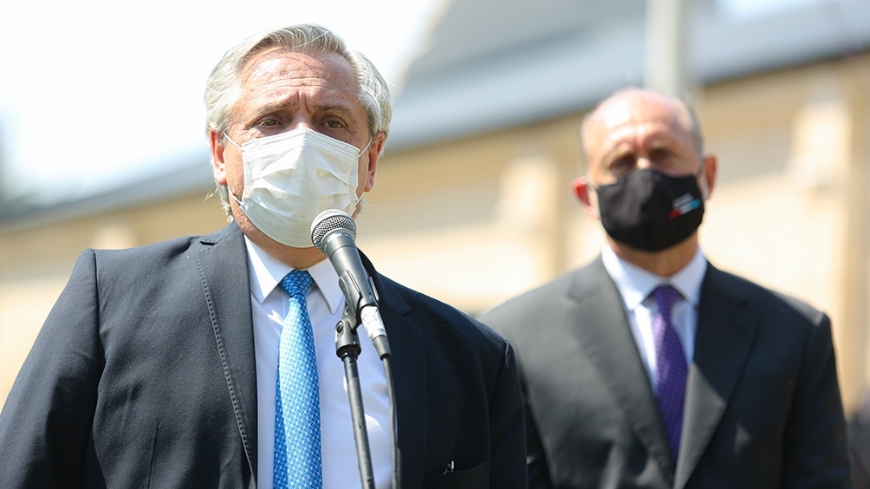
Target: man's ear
[
  {"x": 581, "y": 187},
  {"x": 710, "y": 167},
  {"x": 374, "y": 154},
  {"x": 218, "y": 167}
]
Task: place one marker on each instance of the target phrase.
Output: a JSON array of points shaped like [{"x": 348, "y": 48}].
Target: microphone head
[{"x": 328, "y": 221}]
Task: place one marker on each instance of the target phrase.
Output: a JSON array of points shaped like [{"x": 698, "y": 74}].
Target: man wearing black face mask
[{"x": 651, "y": 368}]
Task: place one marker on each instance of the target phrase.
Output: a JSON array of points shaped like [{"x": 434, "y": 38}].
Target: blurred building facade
[{"x": 473, "y": 204}]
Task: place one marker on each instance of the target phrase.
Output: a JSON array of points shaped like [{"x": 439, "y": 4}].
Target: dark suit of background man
[
  {"x": 726, "y": 384},
  {"x": 157, "y": 367}
]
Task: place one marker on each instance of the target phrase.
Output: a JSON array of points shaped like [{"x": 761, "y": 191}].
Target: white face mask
[{"x": 292, "y": 177}]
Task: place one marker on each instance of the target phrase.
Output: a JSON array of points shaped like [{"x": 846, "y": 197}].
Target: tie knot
[
  {"x": 665, "y": 296},
  {"x": 297, "y": 282}
]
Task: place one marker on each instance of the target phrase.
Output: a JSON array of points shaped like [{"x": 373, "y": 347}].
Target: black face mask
[{"x": 649, "y": 210}]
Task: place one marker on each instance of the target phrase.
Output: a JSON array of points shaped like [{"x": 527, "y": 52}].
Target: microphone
[{"x": 333, "y": 232}]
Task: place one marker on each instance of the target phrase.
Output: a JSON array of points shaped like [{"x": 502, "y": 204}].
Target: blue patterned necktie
[
  {"x": 671, "y": 369},
  {"x": 297, "y": 400}
]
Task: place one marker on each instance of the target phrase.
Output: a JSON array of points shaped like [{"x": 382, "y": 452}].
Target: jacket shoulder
[
  {"x": 540, "y": 302},
  {"x": 763, "y": 300},
  {"x": 165, "y": 250}
]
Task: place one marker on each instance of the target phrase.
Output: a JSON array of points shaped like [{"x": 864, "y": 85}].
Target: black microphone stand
[{"x": 347, "y": 347}]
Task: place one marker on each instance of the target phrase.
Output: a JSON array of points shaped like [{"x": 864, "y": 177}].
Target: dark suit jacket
[
  {"x": 859, "y": 450},
  {"x": 762, "y": 407},
  {"x": 144, "y": 376}
]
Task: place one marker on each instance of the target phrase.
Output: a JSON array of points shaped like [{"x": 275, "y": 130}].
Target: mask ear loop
[
  {"x": 364, "y": 149},
  {"x": 702, "y": 185},
  {"x": 229, "y": 190},
  {"x": 227, "y": 137},
  {"x": 360, "y": 196}
]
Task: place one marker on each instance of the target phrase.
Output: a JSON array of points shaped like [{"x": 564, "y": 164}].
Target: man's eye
[
  {"x": 661, "y": 154},
  {"x": 621, "y": 164},
  {"x": 267, "y": 122},
  {"x": 334, "y": 124}
]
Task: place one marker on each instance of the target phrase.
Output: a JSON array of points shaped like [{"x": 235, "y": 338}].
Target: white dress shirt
[
  {"x": 325, "y": 303},
  {"x": 635, "y": 286}
]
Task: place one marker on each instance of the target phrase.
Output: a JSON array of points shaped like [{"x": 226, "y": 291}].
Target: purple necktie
[{"x": 671, "y": 370}]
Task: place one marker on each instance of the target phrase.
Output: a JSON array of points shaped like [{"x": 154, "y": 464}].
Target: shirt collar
[
  {"x": 267, "y": 272},
  {"x": 636, "y": 284}
]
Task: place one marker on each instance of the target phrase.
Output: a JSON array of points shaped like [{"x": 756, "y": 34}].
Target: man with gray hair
[
  {"x": 650, "y": 367},
  {"x": 210, "y": 361}
]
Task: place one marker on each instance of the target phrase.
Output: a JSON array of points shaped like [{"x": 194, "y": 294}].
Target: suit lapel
[
  {"x": 408, "y": 365},
  {"x": 724, "y": 339},
  {"x": 223, "y": 269},
  {"x": 609, "y": 344}
]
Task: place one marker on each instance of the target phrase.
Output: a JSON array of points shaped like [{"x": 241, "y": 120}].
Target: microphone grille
[{"x": 328, "y": 221}]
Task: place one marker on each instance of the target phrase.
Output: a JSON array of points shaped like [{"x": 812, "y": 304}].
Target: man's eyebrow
[
  {"x": 270, "y": 108},
  {"x": 618, "y": 150},
  {"x": 665, "y": 141},
  {"x": 661, "y": 141},
  {"x": 340, "y": 109}
]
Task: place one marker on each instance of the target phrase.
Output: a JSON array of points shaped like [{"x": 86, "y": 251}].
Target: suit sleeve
[
  {"x": 508, "y": 458},
  {"x": 536, "y": 459},
  {"x": 815, "y": 438},
  {"x": 45, "y": 424}
]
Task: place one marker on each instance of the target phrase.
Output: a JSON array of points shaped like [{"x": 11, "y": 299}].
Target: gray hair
[
  {"x": 685, "y": 112},
  {"x": 223, "y": 87}
]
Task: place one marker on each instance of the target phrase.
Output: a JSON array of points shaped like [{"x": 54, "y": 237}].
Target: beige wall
[{"x": 478, "y": 220}]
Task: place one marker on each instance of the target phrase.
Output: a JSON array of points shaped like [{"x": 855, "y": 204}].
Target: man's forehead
[
  {"x": 282, "y": 64},
  {"x": 630, "y": 111}
]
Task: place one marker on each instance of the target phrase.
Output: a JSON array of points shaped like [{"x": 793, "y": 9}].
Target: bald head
[{"x": 624, "y": 101}]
